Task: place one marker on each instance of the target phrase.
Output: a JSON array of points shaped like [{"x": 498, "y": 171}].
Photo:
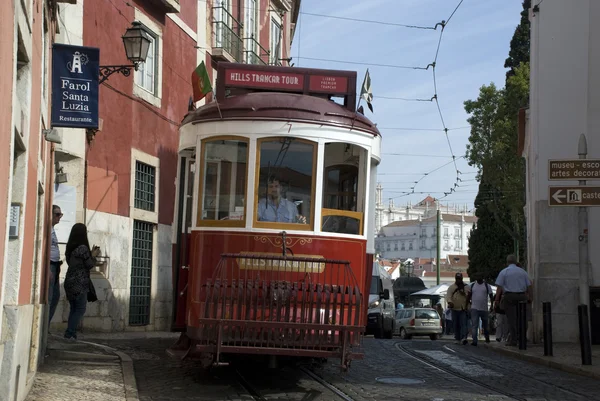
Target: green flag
[{"x": 200, "y": 82}]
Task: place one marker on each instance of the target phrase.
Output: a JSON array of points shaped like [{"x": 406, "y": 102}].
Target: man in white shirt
[
  {"x": 478, "y": 297},
  {"x": 55, "y": 262},
  {"x": 514, "y": 284},
  {"x": 277, "y": 209}
]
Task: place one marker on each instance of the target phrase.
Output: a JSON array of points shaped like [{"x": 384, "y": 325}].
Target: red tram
[{"x": 273, "y": 250}]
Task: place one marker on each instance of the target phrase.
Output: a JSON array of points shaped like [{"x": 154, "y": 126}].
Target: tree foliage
[
  {"x": 492, "y": 149},
  {"x": 519, "y": 44}
]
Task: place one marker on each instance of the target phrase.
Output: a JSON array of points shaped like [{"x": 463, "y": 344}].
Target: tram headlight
[{"x": 374, "y": 304}]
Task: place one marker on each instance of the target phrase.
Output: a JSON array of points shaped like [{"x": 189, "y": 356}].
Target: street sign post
[
  {"x": 574, "y": 169},
  {"x": 574, "y": 196}
]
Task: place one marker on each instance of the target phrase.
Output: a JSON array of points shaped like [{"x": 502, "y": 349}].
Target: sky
[{"x": 474, "y": 46}]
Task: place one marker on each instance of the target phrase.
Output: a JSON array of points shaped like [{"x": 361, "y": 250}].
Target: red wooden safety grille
[{"x": 278, "y": 305}]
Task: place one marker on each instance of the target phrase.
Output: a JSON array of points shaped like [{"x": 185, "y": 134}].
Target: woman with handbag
[{"x": 77, "y": 281}]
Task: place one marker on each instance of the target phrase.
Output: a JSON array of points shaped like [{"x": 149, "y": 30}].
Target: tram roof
[{"x": 282, "y": 106}]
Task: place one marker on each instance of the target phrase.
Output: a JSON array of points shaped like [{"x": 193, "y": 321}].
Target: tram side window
[
  {"x": 342, "y": 211},
  {"x": 224, "y": 181},
  {"x": 285, "y": 183}
]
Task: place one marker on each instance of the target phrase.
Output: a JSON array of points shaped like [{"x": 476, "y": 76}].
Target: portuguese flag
[{"x": 201, "y": 82}]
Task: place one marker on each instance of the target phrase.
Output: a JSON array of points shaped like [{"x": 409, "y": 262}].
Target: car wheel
[
  {"x": 389, "y": 333},
  {"x": 404, "y": 335},
  {"x": 379, "y": 330},
  {"x": 434, "y": 337}
]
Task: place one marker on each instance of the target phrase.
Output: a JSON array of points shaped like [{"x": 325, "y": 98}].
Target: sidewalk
[
  {"x": 566, "y": 357},
  {"x": 83, "y": 370}
]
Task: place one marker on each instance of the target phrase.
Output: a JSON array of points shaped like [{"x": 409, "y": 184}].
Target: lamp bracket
[{"x": 107, "y": 70}]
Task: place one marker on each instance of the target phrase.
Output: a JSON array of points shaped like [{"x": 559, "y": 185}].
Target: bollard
[
  {"x": 584, "y": 335},
  {"x": 547, "y": 314},
  {"x": 522, "y": 324}
]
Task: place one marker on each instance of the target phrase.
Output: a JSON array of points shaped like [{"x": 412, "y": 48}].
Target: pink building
[{"x": 26, "y": 167}]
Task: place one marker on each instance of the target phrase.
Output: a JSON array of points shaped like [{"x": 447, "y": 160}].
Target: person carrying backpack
[
  {"x": 478, "y": 297},
  {"x": 456, "y": 297}
]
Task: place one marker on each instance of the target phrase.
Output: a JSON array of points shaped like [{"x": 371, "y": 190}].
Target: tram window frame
[
  {"x": 202, "y": 181},
  {"x": 310, "y": 221},
  {"x": 358, "y": 207}
]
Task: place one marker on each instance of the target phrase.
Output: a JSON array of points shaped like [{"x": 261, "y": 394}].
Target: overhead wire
[{"x": 445, "y": 129}]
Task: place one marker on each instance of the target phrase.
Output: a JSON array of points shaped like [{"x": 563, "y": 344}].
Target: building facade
[
  {"x": 121, "y": 180},
  {"x": 426, "y": 208},
  {"x": 417, "y": 238},
  {"x": 564, "y": 103},
  {"x": 26, "y": 163}
]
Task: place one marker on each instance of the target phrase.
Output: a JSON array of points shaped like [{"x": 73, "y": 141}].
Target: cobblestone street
[{"x": 391, "y": 370}]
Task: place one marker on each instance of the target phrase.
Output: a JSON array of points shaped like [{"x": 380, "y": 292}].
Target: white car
[{"x": 417, "y": 322}]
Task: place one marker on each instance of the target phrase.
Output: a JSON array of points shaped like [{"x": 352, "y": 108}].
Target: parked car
[{"x": 417, "y": 322}]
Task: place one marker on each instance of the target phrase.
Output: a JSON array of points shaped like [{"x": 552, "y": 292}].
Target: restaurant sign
[{"x": 75, "y": 75}]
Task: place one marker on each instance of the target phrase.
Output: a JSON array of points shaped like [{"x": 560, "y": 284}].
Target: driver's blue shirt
[{"x": 285, "y": 212}]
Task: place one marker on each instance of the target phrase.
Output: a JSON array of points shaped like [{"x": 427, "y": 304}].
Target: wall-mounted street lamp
[{"x": 137, "y": 41}]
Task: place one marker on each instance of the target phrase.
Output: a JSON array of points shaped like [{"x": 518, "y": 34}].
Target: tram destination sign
[
  {"x": 574, "y": 196},
  {"x": 574, "y": 169}
]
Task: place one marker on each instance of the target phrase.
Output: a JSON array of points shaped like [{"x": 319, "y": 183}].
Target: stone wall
[{"x": 113, "y": 233}]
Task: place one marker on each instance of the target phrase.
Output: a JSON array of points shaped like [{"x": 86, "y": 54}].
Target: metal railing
[
  {"x": 226, "y": 29},
  {"x": 278, "y": 305},
  {"x": 254, "y": 53}
]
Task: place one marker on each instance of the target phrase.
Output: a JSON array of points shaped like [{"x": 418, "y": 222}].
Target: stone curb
[
  {"x": 131, "y": 390},
  {"x": 544, "y": 361}
]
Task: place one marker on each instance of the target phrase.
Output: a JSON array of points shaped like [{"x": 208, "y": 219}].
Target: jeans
[
  {"x": 475, "y": 316},
  {"x": 76, "y": 312},
  {"x": 459, "y": 317},
  {"x": 53, "y": 289},
  {"x": 449, "y": 327}
]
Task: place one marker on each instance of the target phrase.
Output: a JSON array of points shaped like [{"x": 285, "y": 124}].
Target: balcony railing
[
  {"x": 227, "y": 44},
  {"x": 254, "y": 53}
]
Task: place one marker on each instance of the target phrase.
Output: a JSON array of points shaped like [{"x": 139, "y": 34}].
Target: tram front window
[
  {"x": 343, "y": 192},
  {"x": 224, "y": 180},
  {"x": 285, "y": 184}
]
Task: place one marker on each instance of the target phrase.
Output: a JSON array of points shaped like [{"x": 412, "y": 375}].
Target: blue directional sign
[{"x": 75, "y": 74}]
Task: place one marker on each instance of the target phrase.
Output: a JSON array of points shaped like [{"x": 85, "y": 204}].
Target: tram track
[
  {"x": 521, "y": 373},
  {"x": 414, "y": 355},
  {"x": 320, "y": 389}
]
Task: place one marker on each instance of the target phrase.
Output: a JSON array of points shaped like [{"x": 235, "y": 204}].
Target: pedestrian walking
[
  {"x": 514, "y": 286},
  {"x": 456, "y": 297},
  {"x": 440, "y": 310},
  {"x": 501, "y": 325},
  {"x": 479, "y": 294},
  {"x": 55, "y": 263},
  {"x": 77, "y": 281},
  {"x": 449, "y": 325}
]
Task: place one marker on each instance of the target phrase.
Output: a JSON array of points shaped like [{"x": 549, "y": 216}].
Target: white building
[
  {"x": 564, "y": 103},
  {"x": 417, "y": 238},
  {"x": 385, "y": 215}
]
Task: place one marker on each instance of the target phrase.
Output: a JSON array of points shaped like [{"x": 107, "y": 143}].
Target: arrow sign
[
  {"x": 557, "y": 196},
  {"x": 573, "y": 196}
]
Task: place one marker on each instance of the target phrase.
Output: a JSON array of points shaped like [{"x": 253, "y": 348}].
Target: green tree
[
  {"x": 488, "y": 243},
  {"x": 519, "y": 44}
]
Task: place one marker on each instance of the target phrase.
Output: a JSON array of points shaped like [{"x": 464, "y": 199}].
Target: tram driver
[{"x": 277, "y": 209}]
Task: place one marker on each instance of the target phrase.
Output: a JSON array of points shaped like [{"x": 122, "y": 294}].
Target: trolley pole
[{"x": 438, "y": 246}]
